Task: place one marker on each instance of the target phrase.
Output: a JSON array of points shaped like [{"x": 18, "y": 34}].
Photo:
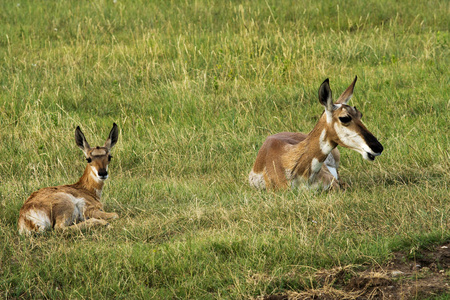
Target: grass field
[{"x": 195, "y": 87}]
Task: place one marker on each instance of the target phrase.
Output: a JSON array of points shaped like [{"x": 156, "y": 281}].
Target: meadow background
[{"x": 195, "y": 87}]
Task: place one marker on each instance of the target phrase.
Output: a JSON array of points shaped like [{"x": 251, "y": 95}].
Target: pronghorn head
[
  {"x": 344, "y": 123},
  {"x": 98, "y": 158}
]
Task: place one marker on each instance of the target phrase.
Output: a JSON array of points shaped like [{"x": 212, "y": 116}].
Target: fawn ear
[
  {"x": 348, "y": 93},
  {"x": 81, "y": 141},
  {"x": 325, "y": 95},
  {"x": 113, "y": 137}
]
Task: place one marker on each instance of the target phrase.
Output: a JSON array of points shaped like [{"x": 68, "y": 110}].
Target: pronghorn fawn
[
  {"x": 312, "y": 160},
  {"x": 74, "y": 206}
]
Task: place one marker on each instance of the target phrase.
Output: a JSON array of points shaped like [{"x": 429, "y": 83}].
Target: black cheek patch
[{"x": 89, "y": 160}]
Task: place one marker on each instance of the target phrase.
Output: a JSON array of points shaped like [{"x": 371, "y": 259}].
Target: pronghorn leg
[
  {"x": 99, "y": 214},
  {"x": 93, "y": 218},
  {"x": 328, "y": 180},
  {"x": 329, "y": 172},
  {"x": 82, "y": 225}
]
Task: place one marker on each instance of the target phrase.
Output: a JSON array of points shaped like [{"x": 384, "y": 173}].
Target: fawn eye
[
  {"x": 89, "y": 160},
  {"x": 346, "y": 119},
  {"x": 109, "y": 157}
]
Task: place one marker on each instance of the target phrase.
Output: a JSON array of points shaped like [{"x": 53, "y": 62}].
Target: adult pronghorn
[
  {"x": 291, "y": 158},
  {"x": 75, "y": 205}
]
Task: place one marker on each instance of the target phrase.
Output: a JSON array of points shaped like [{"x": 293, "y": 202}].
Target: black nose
[
  {"x": 377, "y": 148},
  {"x": 373, "y": 143},
  {"x": 102, "y": 173}
]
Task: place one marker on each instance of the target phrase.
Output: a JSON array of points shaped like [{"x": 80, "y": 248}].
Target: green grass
[{"x": 195, "y": 88}]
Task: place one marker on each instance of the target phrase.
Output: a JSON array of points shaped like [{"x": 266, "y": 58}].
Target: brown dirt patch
[{"x": 402, "y": 278}]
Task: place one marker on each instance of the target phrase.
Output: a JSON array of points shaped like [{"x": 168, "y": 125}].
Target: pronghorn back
[
  {"x": 312, "y": 160},
  {"x": 76, "y": 205}
]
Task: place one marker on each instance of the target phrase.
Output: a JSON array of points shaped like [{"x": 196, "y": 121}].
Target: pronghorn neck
[
  {"x": 309, "y": 155},
  {"x": 89, "y": 181},
  {"x": 324, "y": 136}
]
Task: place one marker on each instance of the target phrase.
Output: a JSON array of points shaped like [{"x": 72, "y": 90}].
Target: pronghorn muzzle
[
  {"x": 102, "y": 174},
  {"x": 374, "y": 145}
]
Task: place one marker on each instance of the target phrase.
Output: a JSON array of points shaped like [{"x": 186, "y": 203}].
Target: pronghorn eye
[
  {"x": 89, "y": 160},
  {"x": 109, "y": 157},
  {"x": 346, "y": 119}
]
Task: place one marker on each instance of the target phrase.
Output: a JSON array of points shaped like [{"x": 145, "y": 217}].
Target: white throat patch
[
  {"x": 94, "y": 175},
  {"x": 98, "y": 193},
  {"x": 324, "y": 145}
]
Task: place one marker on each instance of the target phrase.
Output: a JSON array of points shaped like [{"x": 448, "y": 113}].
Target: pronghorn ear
[
  {"x": 81, "y": 141},
  {"x": 325, "y": 96},
  {"x": 348, "y": 93},
  {"x": 113, "y": 137}
]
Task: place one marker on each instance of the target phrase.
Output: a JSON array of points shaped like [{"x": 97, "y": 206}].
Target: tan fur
[
  {"x": 72, "y": 206},
  {"x": 285, "y": 156},
  {"x": 294, "y": 159}
]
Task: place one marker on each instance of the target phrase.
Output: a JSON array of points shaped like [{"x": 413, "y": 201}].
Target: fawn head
[{"x": 98, "y": 158}]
